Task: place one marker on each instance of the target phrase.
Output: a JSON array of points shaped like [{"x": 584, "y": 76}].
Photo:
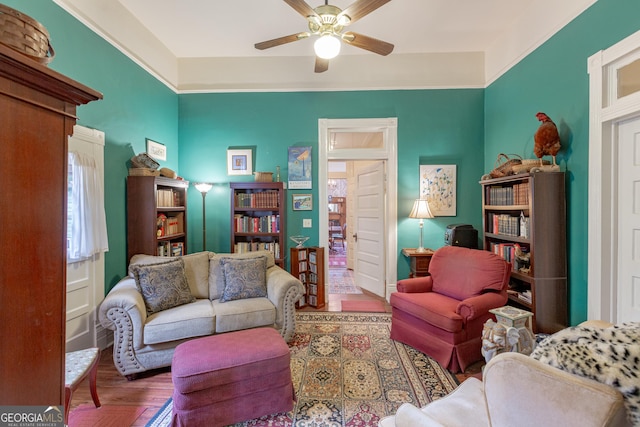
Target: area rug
[
  {"x": 341, "y": 282},
  {"x": 88, "y": 415},
  {"x": 348, "y": 373},
  {"x": 369, "y": 306},
  {"x": 337, "y": 261}
]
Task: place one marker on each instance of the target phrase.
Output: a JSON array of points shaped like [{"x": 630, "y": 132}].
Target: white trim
[
  {"x": 389, "y": 153},
  {"x": 605, "y": 111}
]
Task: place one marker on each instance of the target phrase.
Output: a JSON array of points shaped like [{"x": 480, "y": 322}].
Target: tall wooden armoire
[{"x": 37, "y": 114}]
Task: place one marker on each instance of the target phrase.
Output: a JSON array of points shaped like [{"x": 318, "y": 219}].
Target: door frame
[
  {"x": 388, "y": 154},
  {"x": 605, "y": 112}
]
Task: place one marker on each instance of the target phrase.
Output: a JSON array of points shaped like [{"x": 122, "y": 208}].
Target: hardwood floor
[{"x": 153, "y": 388}]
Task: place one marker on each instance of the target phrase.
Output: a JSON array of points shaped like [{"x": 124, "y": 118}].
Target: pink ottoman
[{"x": 228, "y": 378}]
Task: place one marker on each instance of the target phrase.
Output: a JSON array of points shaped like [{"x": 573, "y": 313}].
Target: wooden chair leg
[
  {"x": 67, "y": 401},
  {"x": 93, "y": 375}
]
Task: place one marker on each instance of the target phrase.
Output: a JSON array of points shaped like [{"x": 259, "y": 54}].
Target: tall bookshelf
[
  {"x": 156, "y": 216},
  {"x": 524, "y": 220},
  {"x": 258, "y": 218},
  {"x": 307, "y": 264}
]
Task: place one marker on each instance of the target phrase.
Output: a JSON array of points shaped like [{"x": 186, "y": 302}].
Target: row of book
[
  {"x": 168, "y": 226},
  {"x": 262, "y": 199},
  {"x": 517, "y": 194},
  {"x": 508, "y": 225},
  {"x": 167, "y": 198},
  {"x": 170, "y": 249},
  {"x": 524, "y": 295},
  {"x": 260, "y": 224},
  {"x": 508, "y": 252},
  {"x": 244, "y": 247}
]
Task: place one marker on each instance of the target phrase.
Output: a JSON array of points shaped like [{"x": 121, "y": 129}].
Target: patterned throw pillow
[
  {"x": 162, "y": 286},
  {"x": 244, "y": 278}
]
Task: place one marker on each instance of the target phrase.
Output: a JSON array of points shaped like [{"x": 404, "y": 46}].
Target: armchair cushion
[
  {"x": 244, "y": 278},
  {"x": 462, "y": 273},
  {"x": 162, "y": 286}
]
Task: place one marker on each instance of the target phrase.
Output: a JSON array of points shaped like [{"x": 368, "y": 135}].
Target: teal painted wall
[
  {"x": 434, "y": 127},
  {"x": 135, "y": 106},
  {"x": 554, "y": 79}
]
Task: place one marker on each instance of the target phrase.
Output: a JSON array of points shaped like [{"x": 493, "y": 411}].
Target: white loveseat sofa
[
  {"x": 146, "y": 340},
  {"x": 519, "y": 391}
]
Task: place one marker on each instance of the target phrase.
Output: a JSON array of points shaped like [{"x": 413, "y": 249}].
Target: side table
[
  {"x": 512, "y": 332},
  {"x": 419, "y": 261}
]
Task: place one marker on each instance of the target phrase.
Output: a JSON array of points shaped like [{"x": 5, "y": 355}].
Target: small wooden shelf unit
[
  {"x": 528, "y": 211},
  {"x": 307, "y": 264},
  {"x": 156, "y": 216},
  {"x": 258, "y": 218}
]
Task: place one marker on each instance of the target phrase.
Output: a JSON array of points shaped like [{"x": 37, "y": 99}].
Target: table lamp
[{"x": 421, "y": 210}]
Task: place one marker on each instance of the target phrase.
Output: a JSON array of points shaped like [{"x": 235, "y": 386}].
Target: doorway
[
  {"x": 353, "y": 141},
  {"x": 614, "y": 111}
]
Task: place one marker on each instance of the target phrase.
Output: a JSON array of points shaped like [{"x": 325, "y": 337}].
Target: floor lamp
[
  {"x": 204, "y": 188},
  {"x": 421, "y": 210}
]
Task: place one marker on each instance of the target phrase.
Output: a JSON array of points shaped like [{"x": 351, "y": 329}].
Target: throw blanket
[{"x": 608, "y": 355}]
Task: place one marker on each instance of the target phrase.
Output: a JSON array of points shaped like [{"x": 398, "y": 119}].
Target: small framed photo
[
  {"x": 239, "y": 162},
  {"x": 156, "y": 150},
  {"x": 302, "y": 202}
]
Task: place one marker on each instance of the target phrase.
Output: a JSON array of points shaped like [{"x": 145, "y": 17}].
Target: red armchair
[{"x": 442, "y": 314}]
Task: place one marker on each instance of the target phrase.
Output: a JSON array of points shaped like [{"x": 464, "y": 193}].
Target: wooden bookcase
[
  {"x": 307, "y": 264},
  {"x": 258, "y": 218},
  {"x": 529, "y": 211},
  {"x": 156, "y": 216}
]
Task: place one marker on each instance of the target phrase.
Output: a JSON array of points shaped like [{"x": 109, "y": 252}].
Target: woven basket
[
  {"x": 528, "y": 164},
  {"x": 143, "y": 160},
  {"x": 25, "y": 35},
  {"x": 264, "y": 176},
  {"x": 504, "y": 165},
  {"x": 143, "y": 172}
]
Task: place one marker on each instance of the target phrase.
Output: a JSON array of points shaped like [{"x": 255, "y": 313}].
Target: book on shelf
[
  {"x": 167, "y": 198},
  {"x": 517, "y": 194},
  {"x": 260, "y": 199}
]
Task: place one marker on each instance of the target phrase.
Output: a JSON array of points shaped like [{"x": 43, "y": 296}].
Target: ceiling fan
[{"x": 327, "y": 22}]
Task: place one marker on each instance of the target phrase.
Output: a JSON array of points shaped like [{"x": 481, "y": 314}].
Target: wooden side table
[{"x": 419, "y": 261}]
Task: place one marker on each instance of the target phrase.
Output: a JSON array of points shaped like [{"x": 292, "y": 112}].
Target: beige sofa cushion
[
  {"x": 186, "y": 321},
  {"x": 243, "y": 314}
]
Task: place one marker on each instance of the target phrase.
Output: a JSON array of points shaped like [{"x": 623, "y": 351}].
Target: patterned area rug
[
  {"x": 348, "y": 373},
  {"x": 341, "y": 282}
]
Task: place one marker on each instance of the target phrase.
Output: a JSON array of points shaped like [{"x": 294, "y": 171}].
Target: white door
[
  {"x": 629, "y": 220},
  {"x": 85, "y": 278},
  {"x": 369, "y": 229}
]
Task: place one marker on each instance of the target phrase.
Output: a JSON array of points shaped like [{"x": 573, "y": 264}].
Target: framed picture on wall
[
  {"x": 239, "y": 162},
  {"x": 156, "y": 150},
  {"x": 438, "y": 186},
  {"x": 302, "y": 202}
]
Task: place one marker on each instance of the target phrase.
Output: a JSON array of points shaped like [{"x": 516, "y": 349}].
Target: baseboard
[
  {"x": 104, "y": 337},
  {"x": 391, "y": 288}
]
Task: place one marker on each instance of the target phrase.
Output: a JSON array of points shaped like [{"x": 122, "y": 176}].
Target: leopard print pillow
[{"x": 608, "y": 355}]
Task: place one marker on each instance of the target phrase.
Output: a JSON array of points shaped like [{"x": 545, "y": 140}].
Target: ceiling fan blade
[
  {"x": 361, "y": 8},
  {"x": 322, "y": 65},
  {"x": 281, "y": 40},
  {"x": 368, "y": 43},
  {"x": 302, "y": 8}
]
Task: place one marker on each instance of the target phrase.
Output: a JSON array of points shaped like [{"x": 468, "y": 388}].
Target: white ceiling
[{"x": 208, "y": 45}]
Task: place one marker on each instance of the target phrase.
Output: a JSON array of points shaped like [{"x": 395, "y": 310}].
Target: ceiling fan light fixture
[{"x": 327, "y": 46}]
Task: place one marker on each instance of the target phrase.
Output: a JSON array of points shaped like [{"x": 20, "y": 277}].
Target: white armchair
[{"x": 519, "y": 391}]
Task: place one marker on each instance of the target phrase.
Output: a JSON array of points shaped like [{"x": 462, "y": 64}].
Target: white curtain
[{"x": 88, "y": 221}]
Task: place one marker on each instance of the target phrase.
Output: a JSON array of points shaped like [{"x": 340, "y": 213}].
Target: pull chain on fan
[{"x": 327, "y": 22}]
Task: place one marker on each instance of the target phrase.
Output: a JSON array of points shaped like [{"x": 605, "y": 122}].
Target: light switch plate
[{"x": 306, "y": 223}]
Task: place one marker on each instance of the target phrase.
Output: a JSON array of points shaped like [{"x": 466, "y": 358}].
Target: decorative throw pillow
[
  {"x": 162, "y": 286},
  {"x": 244, "y": 278}
]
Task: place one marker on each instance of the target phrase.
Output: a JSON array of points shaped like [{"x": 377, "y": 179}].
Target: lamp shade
[
  {"x": 203, "y": 187},
  {"x": 420, "y": 209},
  {"x": 327, "y": 47}
]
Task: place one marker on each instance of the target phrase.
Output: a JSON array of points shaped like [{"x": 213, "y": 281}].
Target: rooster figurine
[{"x": 546, "y": 139}]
